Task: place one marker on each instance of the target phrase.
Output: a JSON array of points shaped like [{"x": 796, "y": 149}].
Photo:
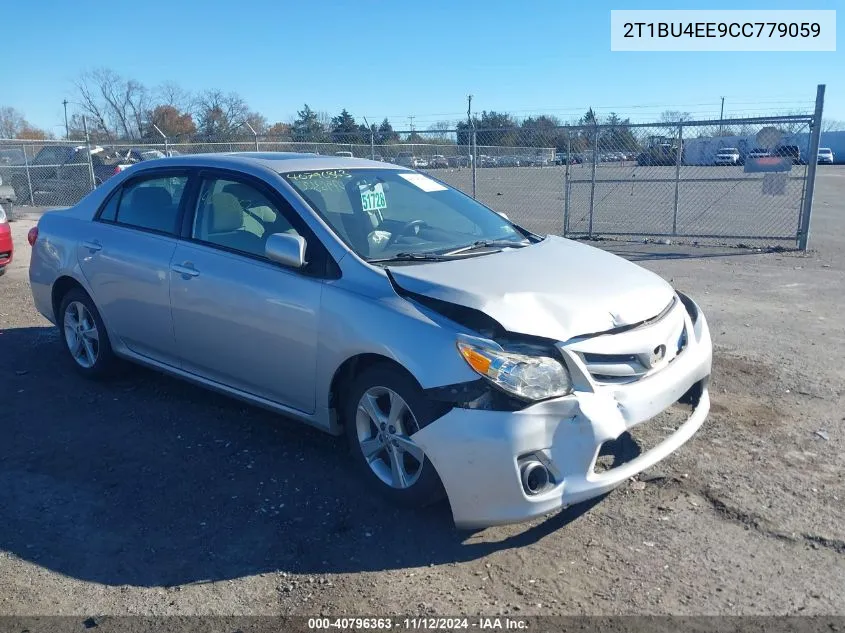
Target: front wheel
[{"x": 383, "y": 408}]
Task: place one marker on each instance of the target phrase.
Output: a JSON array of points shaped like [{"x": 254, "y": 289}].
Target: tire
[
  {"x": 2, "y": 270},
  {"x": 422, "y": 485},
  {"x": 94, "y": 357}
]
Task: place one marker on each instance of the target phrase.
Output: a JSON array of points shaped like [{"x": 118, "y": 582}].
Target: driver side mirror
[{"x": 286, "y": 249}]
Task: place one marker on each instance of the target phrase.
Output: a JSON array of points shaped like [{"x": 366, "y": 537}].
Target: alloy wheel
[
  {"x": 81, "y": 335},
  {"x": 384, "y": 424}
]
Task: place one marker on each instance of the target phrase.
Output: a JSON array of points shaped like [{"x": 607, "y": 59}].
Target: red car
[{"x": 6, "y": 246}]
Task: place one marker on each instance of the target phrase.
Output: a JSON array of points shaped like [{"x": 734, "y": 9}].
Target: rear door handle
[
  {"x": 185, "y": 269},
  {"x": 92, "y": 245}
]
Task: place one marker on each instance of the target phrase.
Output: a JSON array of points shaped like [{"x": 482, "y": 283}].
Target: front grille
[
  {"x": 625, "y": 368},
  {"x": 640, "y": 348}
]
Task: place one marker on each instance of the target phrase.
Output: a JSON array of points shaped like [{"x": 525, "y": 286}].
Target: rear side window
[{"x": 150, "y": 204}]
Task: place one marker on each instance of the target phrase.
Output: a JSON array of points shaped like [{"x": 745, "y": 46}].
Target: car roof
[{"x": 280, "y": 162}]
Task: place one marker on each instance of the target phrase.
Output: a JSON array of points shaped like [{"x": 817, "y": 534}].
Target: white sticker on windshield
[
  {"x": 424, "y": 183},
  {"x": 372, "y": 198}
]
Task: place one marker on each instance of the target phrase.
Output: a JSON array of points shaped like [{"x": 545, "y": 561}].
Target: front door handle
[
  {"x": 92, "y": 245},
  {"x": 185, "y": 269}
]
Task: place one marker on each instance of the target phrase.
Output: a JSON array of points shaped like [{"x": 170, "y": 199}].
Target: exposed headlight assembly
[{"x": 525, "y": 376}]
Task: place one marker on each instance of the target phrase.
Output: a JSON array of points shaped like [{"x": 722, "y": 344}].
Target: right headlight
[
  {"x": 3, "y": 218},
  {"x": 522, "y": 375}
]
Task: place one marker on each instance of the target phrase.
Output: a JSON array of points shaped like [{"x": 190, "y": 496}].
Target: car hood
[{"x": 555, "y": 289}]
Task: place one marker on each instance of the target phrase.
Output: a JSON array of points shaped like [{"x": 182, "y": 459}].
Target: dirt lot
[{"x": 150, "y": 496}]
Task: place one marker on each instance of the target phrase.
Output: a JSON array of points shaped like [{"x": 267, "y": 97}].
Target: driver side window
[{"x": 236, "y": 216}]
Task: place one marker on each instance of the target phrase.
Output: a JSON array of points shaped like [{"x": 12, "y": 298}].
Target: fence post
[
  {"x": 88, "y": 151},
  {"x": 474, "y": 160},
  {"x": 812, "y": 162},
  {"x": 593, "y": 178},
  {"x": 566, "y": 183},
  {"x": 28, "y": 176},
  {"x": 678, "y": 157},
  {"x": 164, "y": 136},
  {"x": 254, "y": 134},
  {"x": 372, "y": 145}
]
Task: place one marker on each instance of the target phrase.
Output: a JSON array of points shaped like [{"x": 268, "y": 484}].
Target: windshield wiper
[
  {"x": 486, "y": 244},
  {"x": 409, "y": 257}
]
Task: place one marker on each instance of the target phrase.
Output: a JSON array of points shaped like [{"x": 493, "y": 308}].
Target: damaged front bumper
[{"x": 479, "y": 453}]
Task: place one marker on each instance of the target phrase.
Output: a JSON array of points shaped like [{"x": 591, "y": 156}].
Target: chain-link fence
[{"x": 731, "y": 181}]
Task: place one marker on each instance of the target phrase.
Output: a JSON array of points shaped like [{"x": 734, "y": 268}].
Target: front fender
[{"x": 390, "y": 326}]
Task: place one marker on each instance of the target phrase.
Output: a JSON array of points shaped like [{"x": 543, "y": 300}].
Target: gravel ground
[{"x": 150, "y": 496}]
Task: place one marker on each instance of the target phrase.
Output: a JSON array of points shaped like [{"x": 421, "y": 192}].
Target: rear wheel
[
  {"x": 384, "y": 407},
  {"x": 85, "y": 335}
]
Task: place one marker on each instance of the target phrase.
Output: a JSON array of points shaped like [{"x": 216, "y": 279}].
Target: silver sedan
[{"x": 462, "y": 355}]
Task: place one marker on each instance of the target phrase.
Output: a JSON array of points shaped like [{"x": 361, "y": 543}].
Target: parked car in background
[
  {"x": 789, "y": 151},
  {"x": 826, "y": 156},
  {"x": 574, "y": 159},
  {"x": 259, "y": 276},
  {"x": 663, "y": 154},
  {"x": 345, "y": 154},
  {"x": 419, "y": 163},
  {"x": 459, "y": 161},
  {"x": 378, "y": 157},
  {"x": 12, "y": 156},
  {"x": 727, "y": 156},
  {"x": 404, "y": 159},
  {"x": 512, "y": 161},
  {"x": 438, "y": 161},
  {"x": 137, "y": 155},
  {"x": 538, "y": 160},
  {"x": 60, "y": 174},
  {"x": 756, "y": 153},
  {"x": 7, "y": 247},
  {"x": 487, "y": 161}
]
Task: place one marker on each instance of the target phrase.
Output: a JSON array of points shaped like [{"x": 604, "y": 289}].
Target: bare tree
[
  {"x": 832, "y": 125},
  {"x": 219, "y": 113},
  {"x": 440, "y": 131},
  {"x": 11, "y": 122},
  {"x": 172, "y": 94},
  {"x": 257, "y": 121},
  {"x": 670, "y": 120},
  {"x": 117, "y": 106}
]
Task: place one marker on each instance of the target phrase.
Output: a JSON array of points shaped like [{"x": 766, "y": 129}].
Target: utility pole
[
  {"x": 64, "y": 103},
  {"x": 721, "y": 116},
  {"x": 411, "y": 118}
]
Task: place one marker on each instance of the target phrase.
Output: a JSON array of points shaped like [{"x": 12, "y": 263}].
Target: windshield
[
  {"x": 151, "y": 154},
  {"x": 52, "y": 156},
  {"x": 384, "y": 213}
]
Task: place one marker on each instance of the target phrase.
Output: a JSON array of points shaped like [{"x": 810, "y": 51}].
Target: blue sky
[{"x": 397, "y": 59}]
